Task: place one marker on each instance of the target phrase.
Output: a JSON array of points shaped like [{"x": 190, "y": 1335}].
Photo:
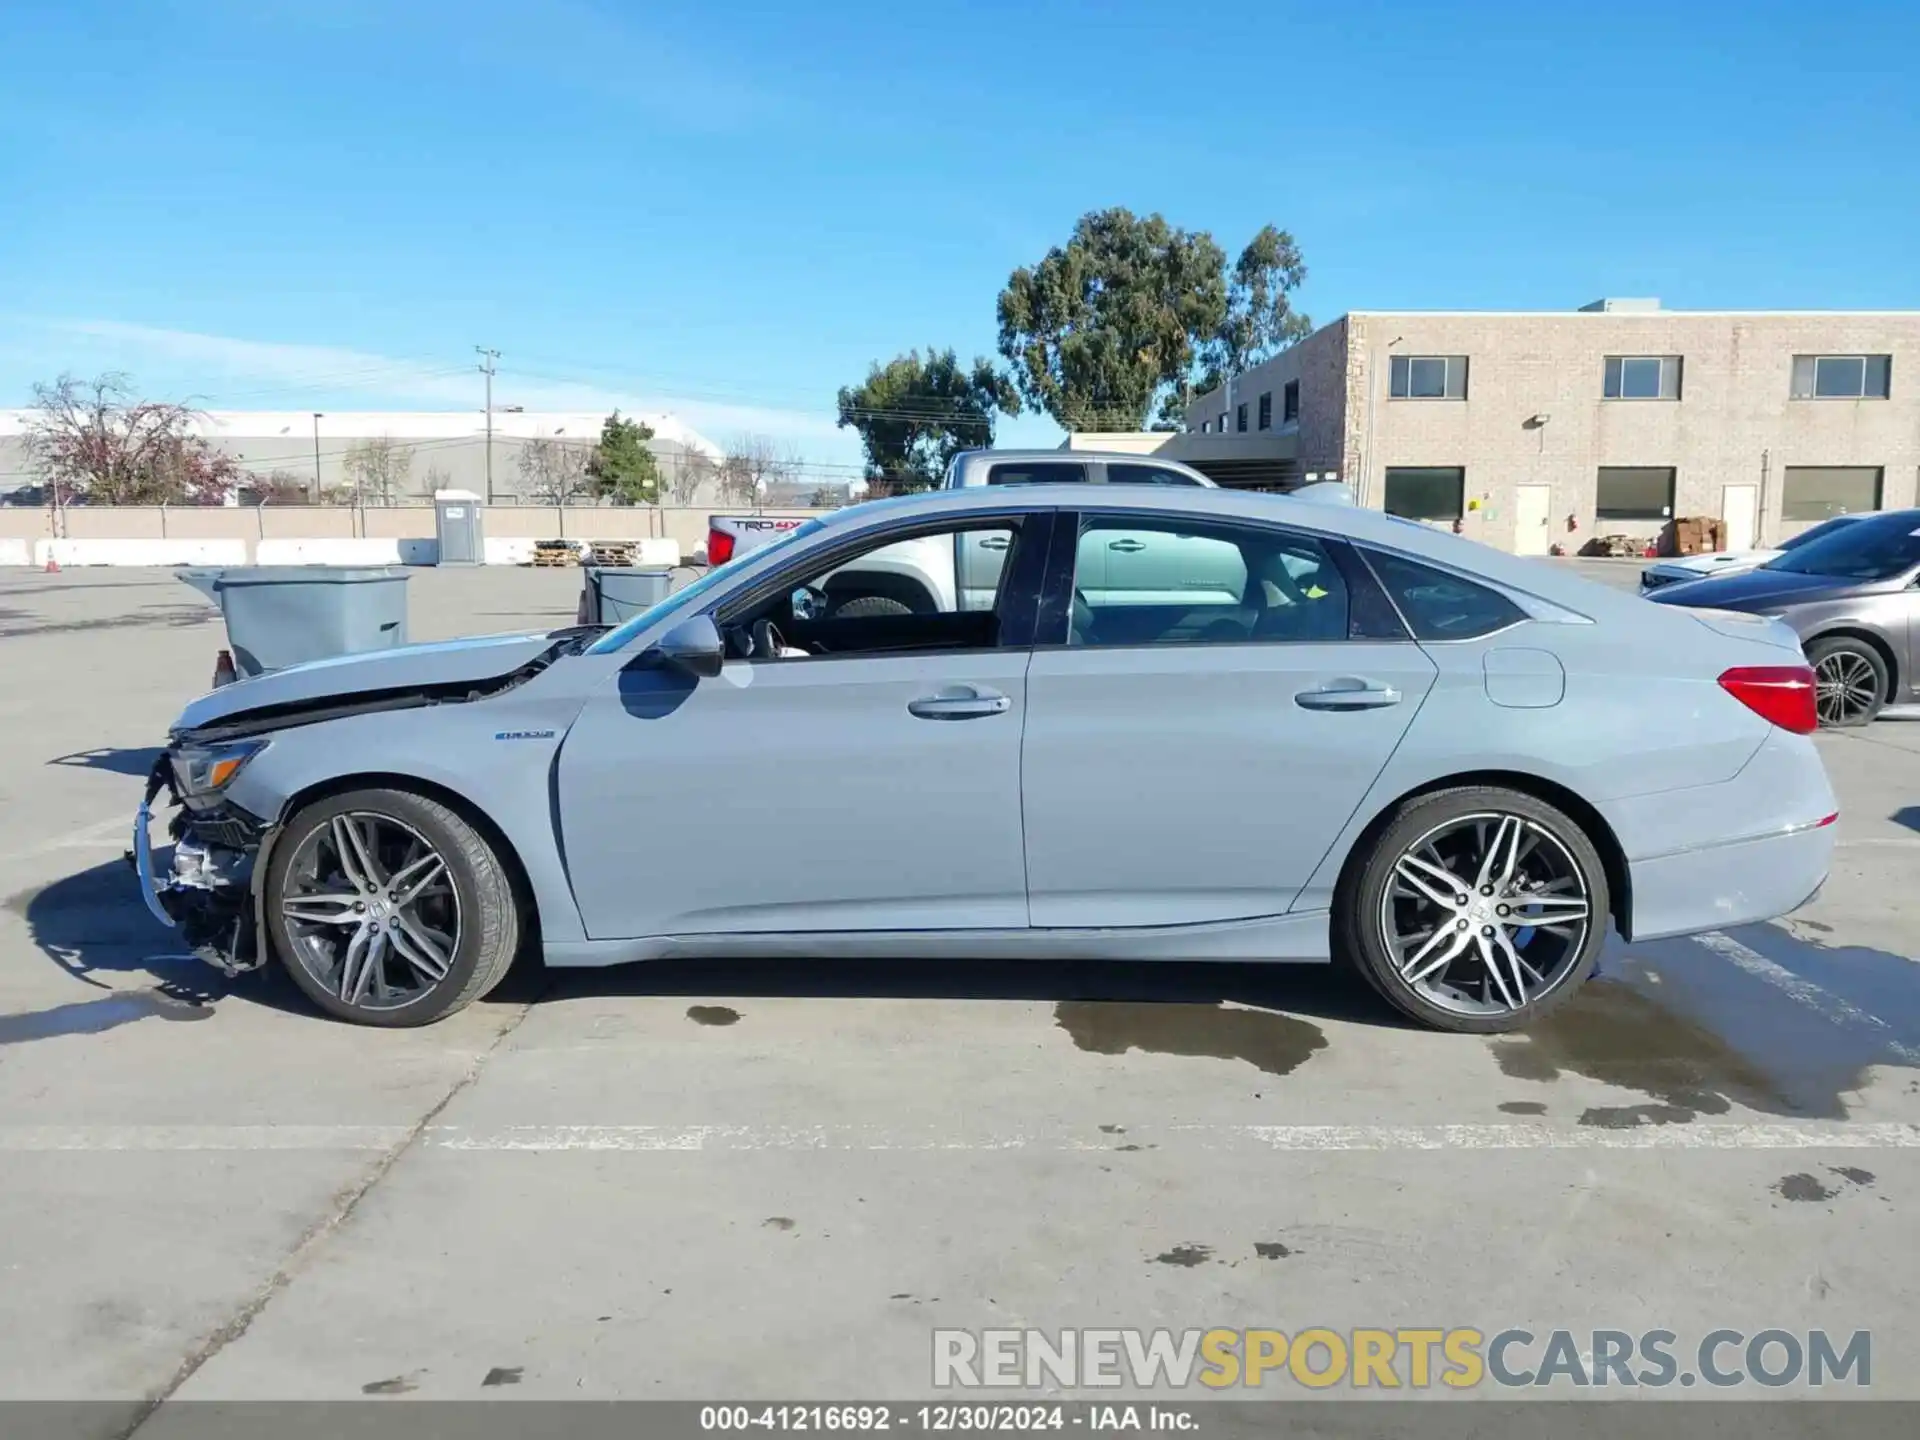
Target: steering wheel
[{"x": 767, "y": 640}]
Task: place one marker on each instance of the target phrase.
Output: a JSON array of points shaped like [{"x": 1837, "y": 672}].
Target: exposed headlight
[{"x": 204, "y": 769}]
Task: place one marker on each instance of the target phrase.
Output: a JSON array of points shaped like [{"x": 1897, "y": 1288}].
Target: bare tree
[
  {"x": 280, "y": 487},
  {"x": 96, "y": 439},
  {"x": 751, "y": 466},
  {"x": 554, "y": 472},
  {"x": 692, "y": 468},
  {"x": 377, "y": 470}
]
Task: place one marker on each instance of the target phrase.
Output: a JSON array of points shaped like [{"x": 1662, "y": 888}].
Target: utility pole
[
  {"x": 487, "y": 357},
  {"x": 316, "y": 455}
]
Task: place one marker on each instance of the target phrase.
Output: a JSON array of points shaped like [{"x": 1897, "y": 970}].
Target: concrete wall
[
  {"x": 1734, "y": 423},
  {"x": 297, "y": 534}
]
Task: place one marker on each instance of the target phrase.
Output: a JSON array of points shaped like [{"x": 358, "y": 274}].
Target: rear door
[{"x": 1194, "y": 761}]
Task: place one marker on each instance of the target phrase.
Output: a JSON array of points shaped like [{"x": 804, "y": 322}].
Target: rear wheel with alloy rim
[
  {"x": 389, "y": 909},
  {"x": 1479, "y": 909},
  {"x": 1849, "y": 681}
]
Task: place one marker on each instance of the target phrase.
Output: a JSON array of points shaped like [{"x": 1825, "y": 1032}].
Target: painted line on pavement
[
  {"x": 653, "y": 1139},
  {"x": 1823, "y": 1002}
]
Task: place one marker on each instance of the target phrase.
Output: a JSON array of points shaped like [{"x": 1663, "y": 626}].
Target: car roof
[
  {"x": 1070, "y": 457},
  {"x": 1537, "y": 576}
]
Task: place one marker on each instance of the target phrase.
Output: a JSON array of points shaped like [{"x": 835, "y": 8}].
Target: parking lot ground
[{"x": 775, "y": 1180}]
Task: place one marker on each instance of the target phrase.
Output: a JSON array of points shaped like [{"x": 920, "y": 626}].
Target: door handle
[
  {"x": 1348, "y": 695},
  {"x": 994, "y": 542},
  {"x": 1127, "y": 547},
  {"x": 959, "y": 702}
]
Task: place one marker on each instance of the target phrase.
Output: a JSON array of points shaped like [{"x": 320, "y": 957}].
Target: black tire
[
  {"x": 488, "y": 916},
  {"x": 1843, "y": 667},
  {"x": 1359, "y": 905},
  {"x": 861, "y": 605}
]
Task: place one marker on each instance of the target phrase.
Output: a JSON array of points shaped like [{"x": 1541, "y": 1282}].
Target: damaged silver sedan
[{"x": 1145, "y": 723}]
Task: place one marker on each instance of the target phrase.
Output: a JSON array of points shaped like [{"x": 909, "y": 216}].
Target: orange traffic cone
[
  {"x": 53, "y": 565},
  {"x": 223, "y": 671}
]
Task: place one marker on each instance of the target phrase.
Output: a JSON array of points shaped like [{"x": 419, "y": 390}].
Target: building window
[
  {"x": 1290, "y": 403},
  {"x": 1842, "y": 377},
  {"x": 1426, "y": 492},
  {"x": 1429, "y": 377},
  {"x": 1643, "y": 377},
  {"x": 1266, "y": 411},
  {"x": 1634, "y": 492},
  {"x": 1819, "y": 492},
  {"x": 1240, "y": 417}
]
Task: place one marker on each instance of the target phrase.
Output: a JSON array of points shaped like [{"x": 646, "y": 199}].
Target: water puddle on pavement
[
  {"x": 1679, "y": 1025},
  {"x": 1276, "y": 1044}
]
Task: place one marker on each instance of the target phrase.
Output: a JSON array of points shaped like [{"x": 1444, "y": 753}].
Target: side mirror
[{"x": 693, "y": 646}]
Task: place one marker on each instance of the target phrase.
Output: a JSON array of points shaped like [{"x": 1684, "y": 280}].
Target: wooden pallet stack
[
  {"x": 618, "y": 553},
  {"x": 556, "y": 553}
]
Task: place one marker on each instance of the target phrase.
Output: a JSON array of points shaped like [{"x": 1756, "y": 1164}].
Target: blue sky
[{"x": 728, "y": 210}]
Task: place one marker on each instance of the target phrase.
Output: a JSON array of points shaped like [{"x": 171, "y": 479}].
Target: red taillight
[
  {"x": 1781, "y": 694},
  {"x": 719, "y": 547}
]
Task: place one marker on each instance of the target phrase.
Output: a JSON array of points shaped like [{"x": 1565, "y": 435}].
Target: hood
[
  {"x": 1720, "y": 562},
  {"x": 1757, "y": 589},
  {"x": 389, "y": 673}
]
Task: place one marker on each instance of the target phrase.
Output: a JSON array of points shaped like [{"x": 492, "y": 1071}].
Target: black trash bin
[
  {"x": 614, "y": 594},
  {"x": 281, "y": 615}
]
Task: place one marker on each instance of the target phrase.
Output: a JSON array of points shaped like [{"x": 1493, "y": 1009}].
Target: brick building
[{"x": 1538, "y": 428}]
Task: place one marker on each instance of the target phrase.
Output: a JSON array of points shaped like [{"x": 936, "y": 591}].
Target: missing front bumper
[{"x": 199, "y": 886}]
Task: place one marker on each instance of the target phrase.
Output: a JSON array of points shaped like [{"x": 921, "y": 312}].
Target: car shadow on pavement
[
  {"x": 1328, "y": 992},
  {"x": 93, "y": 926}
]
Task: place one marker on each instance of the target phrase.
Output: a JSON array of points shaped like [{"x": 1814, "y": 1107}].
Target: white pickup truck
[{"x": 962, "y": 572}]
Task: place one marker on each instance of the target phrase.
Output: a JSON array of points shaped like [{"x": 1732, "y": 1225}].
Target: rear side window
[
  {"x": 1145, "y": 475},
  {"x": 1440, "y": 606},
  {"x": 1037, "y": 472}
]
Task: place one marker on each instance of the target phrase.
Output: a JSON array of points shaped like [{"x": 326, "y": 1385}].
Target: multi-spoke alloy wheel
[
  {"x": 389, "y": 908},
  {"x": 1850, "y": 681},
  {"x": 1477, "y": 909}
]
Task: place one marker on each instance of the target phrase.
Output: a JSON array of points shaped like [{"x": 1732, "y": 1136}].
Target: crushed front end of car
[{"x": 201, "y": 884}]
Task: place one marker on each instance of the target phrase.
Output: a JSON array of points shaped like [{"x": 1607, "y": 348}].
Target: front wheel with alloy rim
[
  {"x": 1478, "y": 909},
  {"x": 389, "y": 909},
  {"x": 1849, "y": 681}
]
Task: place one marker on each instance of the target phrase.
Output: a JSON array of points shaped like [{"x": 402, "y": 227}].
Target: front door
[
  {"x": 1532, "y": 519},
  {"x": 1192, "y": 761},
  {"x": 1740, "y": 508},
  {"x": 865, "y": 775}
]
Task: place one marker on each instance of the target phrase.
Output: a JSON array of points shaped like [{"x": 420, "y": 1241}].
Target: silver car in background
[
  {"x": 1852, "y": 595},
  {"x": 1283, "y": 731}
]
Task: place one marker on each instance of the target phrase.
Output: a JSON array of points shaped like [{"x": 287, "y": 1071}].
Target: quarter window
[
  {"x": 1142, "y": 581},
  {"x": 1266, "y": 411},
  {"x": 1426, "y": 492},
  {"x": 1842, "y": 377},
  {"x": 1627, "y": 492},
  {"x": 1441, "y": 606},
  {"x": 1240, "y": 416},
  {"x": 1642, "y": 377},
  {"x": 1429, "y": 377},
  {"x": 1290, "y": 403}
]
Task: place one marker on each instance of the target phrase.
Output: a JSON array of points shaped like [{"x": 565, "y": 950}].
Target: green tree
[
  {"x": 1132, "y": 315},
  {"x": 1098, "y": 329},
  {"x": 913, "y": 416},
  {"x": 623, "y": 468}
]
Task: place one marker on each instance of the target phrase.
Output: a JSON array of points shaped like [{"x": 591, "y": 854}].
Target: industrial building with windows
[{"x": 1535, "y": 430}]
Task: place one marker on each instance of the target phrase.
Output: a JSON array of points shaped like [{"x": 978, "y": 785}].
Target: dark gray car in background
[{"x": 1853, "y": 597}]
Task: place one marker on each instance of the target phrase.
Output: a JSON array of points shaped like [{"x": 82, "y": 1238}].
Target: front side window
[
  {"x": 687, "y": 598},
  {"x": 1426, "y": 492},
  {"x": 1642, "y": 377},
  {"x": 942, "y": 590},
  {"x": 1879, "y": 548},
  {"x": 1819, "y": 492},
  {"x": 1438, "y": 605},
  {"x": 1266, "y": 411},
  {"x": 1634, "y": 492},
  {"x": 1290, "y": 402},
  {"x": 1842, "y": 377},
  {"x": 1240, "y": 416},
  {"x": 1429, "y": 377},
  {"x": 1037, "y": 472},
  {"x": 1141, "y": 580}
]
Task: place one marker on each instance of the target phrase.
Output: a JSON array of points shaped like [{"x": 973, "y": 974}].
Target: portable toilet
[{"x": 456, "y": 522}]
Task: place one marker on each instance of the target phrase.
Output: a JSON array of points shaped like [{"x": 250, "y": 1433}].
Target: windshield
[
  {"x": 619, "y": 637},
  {"x": 1876, "y": 549},
  {"x": 1820, "y": 531}
]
